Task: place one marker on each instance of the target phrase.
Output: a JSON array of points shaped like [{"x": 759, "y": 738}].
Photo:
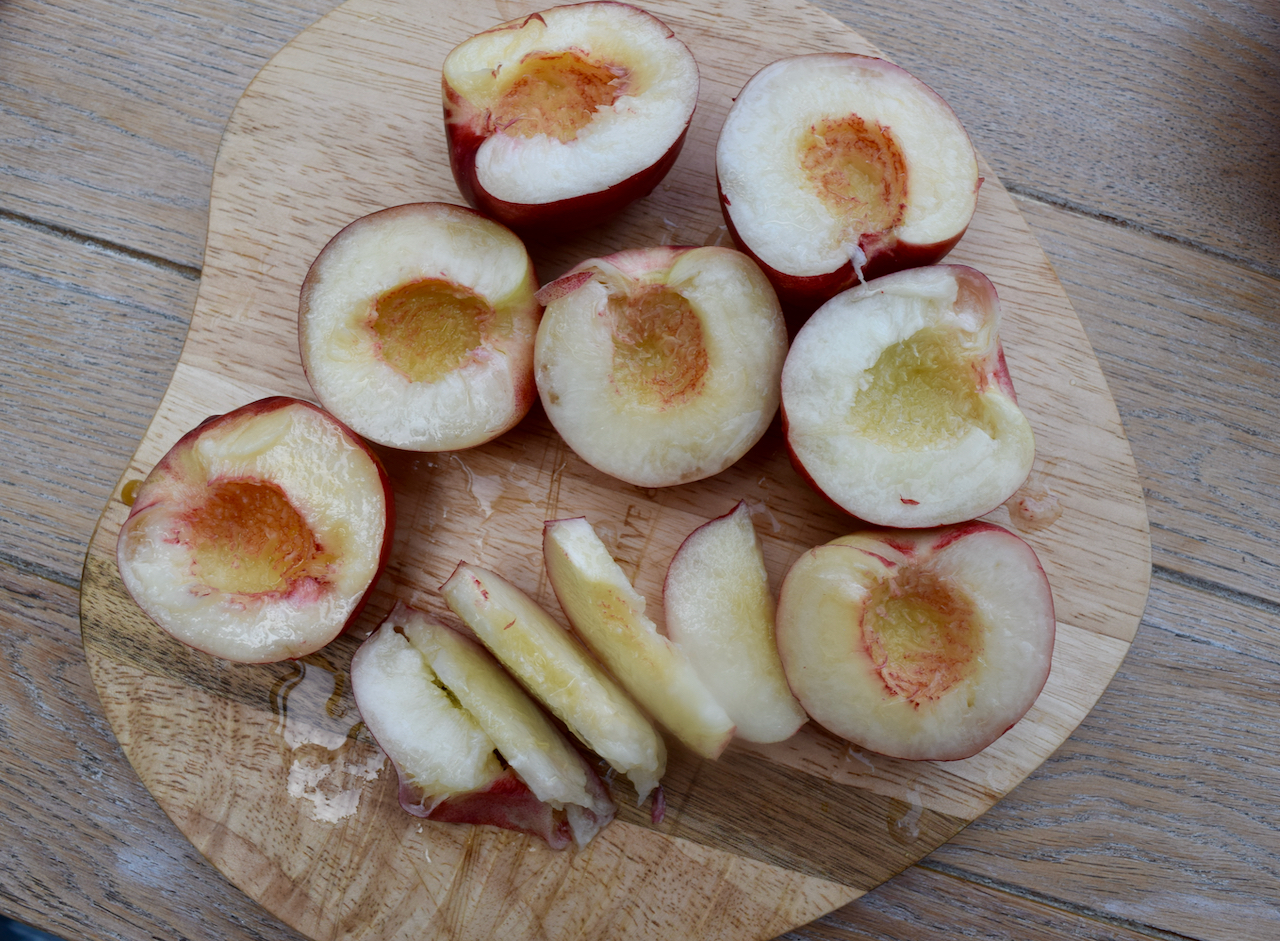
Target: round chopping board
[{"x": 267, "y": 769}]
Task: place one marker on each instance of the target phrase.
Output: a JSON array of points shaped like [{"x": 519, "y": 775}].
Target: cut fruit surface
[
  {"x": 416, "y": 327},
  {"x": 446, "y": 763},
  {"x": 559, "y": 673},
  {"x": 720, "y": 613},
  {"x": 608, "y": 614},
  {"x": 919, "y": 644},
  {"x": 439, "y": 750},
  {"x": 399, "y": 677},
  {"x": 660, "y": 366},
  {"x": 897, "y": 402},
  {"x": 836, "y": 168},
  {"x": 561, "y": 118},
  {"x": 258, "y": 535}
]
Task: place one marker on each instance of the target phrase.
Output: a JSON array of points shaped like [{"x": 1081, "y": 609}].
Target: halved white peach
[
  {"x": 660, "y": 366},
  {"x": 897, "y": 403},
  {"x": 608, "y": 614},
  {"x": 720, "y": 613},
  {"x": 416, "y": 327},
  {"x": 836, "y": 168},
  {"x": 919, "y": 644},
  {"x": 258, "y": 535},
  {"x": 560, "y": 674},
  {"x": 559, "y": 119}
]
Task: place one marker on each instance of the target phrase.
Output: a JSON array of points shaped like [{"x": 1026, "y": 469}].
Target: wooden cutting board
[{"x": 267, "y": 769}]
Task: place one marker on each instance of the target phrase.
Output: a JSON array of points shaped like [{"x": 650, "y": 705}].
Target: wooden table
[{"x": 1142, "y": 146}]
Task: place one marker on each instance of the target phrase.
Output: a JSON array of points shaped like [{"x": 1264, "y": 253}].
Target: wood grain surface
[
  {"x": 1156, "y": 819},
  {"x": 263, "y": 767}
]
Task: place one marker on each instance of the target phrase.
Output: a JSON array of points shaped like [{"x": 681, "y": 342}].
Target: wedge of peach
[
  {"x": 720, "y": 613},
  {"x": 919, "y": 644},
  {"x": 837, "y": 168},
  {"x": 608, "y": 614},
  {"x": 660, "y": 366},
  {"x": 560, "y": 674},
  {"x": 442, "y": 709},
  {"x": 559, "y": 119},
  {"x": 897, "y": 402},
  {"x": 416, "y": 327},
  {"x": 257, "y": 537}
]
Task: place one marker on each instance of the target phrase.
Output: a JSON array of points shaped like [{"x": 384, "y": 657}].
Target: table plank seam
[
  {"x": 36, "y": 570},
  {"x": 1050, "y": 901},
  {"x": 188, "y": 272},
  {"x": 1223, "y": 592},
  {"x": 1030, "y": 194}
]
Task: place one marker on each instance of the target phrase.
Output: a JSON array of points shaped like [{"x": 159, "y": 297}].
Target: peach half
[
  {"x": 660, "y": 366},
  {"x": 836, "y": 168},
  {"x": 257, "y": 537},
  {"x": 559, "y": 119},
  {"x": 918, "y": 644},
  {"x": 416, "y": 327},
  {"x": 897, "y": 403}
]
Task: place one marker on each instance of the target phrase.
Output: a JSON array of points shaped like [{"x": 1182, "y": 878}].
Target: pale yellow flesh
[
  {"x": 608, "y": 614},
  {"x": 558, "y": 672},
  {"x": 433, "y": 742},
  {"x": 721, "y": 615}
]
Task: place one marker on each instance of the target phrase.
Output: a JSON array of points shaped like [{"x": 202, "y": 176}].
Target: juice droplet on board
[
  {"x": 317, "y": 721},
  {"x": 1034, "y": 508},
  {"x": 129, "y": 492}
]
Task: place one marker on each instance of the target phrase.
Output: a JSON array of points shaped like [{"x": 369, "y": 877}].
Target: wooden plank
[
  {"x": 112, "y": 111},
  {"x": 1158, "y": 114},
  {"x": 87, "y": 344},
  {"x": 1164, "y": 807},
  {"x": 1188, "y": 345},
  {"x": 86, "y": 851},
  {"x": 926, "y": 905}
]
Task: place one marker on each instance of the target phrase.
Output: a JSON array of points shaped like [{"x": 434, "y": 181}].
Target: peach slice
[
  {"x": 720, "y": 613},
  {"x": 559, "y": 119},
  {"x": 608, "y": 614},
  {"x": 257, "y": 537},
  {"x": 897, "y": 402},
  {"x": 552, "y": 666},
  {"x": 416, "y": 327},
  {"x": 660, "y": 366},
  {"x": 836, "y": 168},
  {"x": 435, "y": 701},
  {"x": 918, "y": 644}
]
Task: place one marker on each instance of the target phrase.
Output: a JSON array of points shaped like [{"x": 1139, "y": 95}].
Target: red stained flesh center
[
  {"x": 247, "y": 538},
  {"x": 922, "y": 635},
  {"x": 556, "y": 94},
  {"x": 659, "y": 355},
  {"x": 858, "y": 170}
]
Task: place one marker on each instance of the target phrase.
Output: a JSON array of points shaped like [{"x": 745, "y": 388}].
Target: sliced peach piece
[
  {"x": 553, "y": 666},
  {"x": 608, "y": 614},
  {"x": 720, "y": 613}
]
